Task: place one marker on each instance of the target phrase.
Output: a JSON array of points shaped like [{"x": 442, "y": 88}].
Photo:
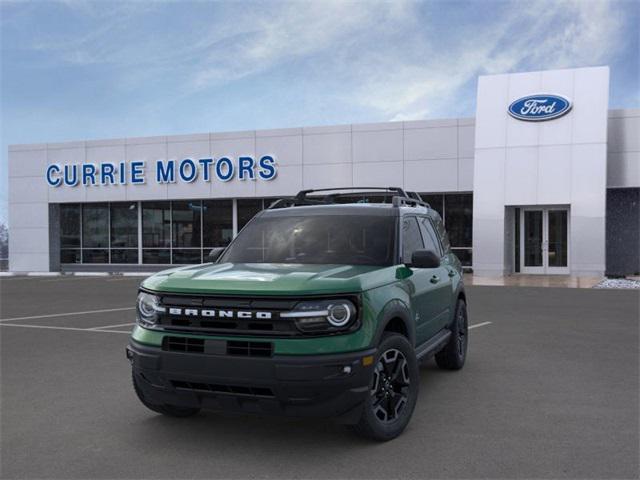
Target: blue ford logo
[{"x": 536, "y": 108}]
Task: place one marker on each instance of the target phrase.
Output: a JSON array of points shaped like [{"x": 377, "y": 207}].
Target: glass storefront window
[
  {"x": 94, "y": 255},
  {"x": 217, "y": 223},
  {"x": 186, "y": 224},
  {"x": 435, "y": 200},
  {"x": 156, "y": 255},
  {"x": 186, "y": 255},
  {"x": 456, "y": 210},
  {"x": 156, "y": 224},
  {"x": 95, "y": 225},
  {"x": 464, "y": 255},
  {"x": 126, "y": 255},
  {"x": 458, "y": 218},
  {"x": 68, "y": 255},
  {"x": 247, "y": 209},
  {"x": 124, "y": 225},
  {"x": 183, "y": 232},
  {"x": 69, "y": 226}
]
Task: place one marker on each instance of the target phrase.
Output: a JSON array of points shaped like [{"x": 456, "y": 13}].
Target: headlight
[
  {"x": 148, "y": 307},
  {"x": 323, "y": 316}
]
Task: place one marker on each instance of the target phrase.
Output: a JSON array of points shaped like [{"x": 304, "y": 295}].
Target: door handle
[
  {"x": 452, "y": 273},
  {"x": 435, "y": 279}
]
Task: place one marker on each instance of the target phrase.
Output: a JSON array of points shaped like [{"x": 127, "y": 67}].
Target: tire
[
  {"x": 454, "y": 354},
  {"x": 394, "y": 388},
  {"x": 168, "y": 410}
]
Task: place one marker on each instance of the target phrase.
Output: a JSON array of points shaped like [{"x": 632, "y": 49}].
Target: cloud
[
  {"x": 526, "y": 36},
  {"x": 398, "y": 59},
  {"x": 293, "y": 31}
]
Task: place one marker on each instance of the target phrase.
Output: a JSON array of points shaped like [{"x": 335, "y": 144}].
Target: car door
[
  {"x": 420, "y": 285},
  {"x": 441, "y": 280}
]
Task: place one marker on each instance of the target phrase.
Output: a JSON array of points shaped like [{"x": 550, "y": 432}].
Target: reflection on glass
[
  {"x": 217, "y": 223},
  {"x": 186, "y": 224},
  {"x": 127, "y": 255},
  {"x": 186, "y": 255},
  {"x": 156, "y": 225},
  {"x": 69, "y": 226},
  {"x": 532, "y": 238},
  {"x": 70, "y": 255},
  {"x": 464, "y": 255},
  {"x": 435, "y": 201},
  {"x": 124, "y": 225},
  {"x": 95, "y": 256},
  {"x": 247, "y": 209},
  {"x": 558, "y": 238},
  {"x": 458, "y": 210},
  {"x": 95, "y": 226},
  {"x": 158, "y": 255},
  {"x": 317, "y": 239}
]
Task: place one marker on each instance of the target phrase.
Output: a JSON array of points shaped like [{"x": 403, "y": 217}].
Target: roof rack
[{"x": 399, "y": 198}]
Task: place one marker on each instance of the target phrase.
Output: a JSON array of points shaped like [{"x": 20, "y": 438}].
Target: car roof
[{"x": 365, "y": 209}]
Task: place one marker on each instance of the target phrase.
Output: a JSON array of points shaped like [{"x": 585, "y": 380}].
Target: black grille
[
  {"x": 228, "y": 389},
  {"x": 200, "y": 324},
  {"x": 249, "y": 349},
  {"x": 217, "y": 347},
  {"x": 183, "y": 344}
]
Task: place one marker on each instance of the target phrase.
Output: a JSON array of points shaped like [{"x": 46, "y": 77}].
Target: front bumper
[{"x": 291, "y": 385}]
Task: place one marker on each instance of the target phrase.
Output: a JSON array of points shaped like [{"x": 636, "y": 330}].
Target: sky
[{"x": 74, "y": 70}]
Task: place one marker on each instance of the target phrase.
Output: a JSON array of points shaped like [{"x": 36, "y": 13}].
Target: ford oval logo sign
[{"x": 536, "y": 108}]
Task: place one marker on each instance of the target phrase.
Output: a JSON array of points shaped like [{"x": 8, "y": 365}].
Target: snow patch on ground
[{"x": 618, "y": 283}]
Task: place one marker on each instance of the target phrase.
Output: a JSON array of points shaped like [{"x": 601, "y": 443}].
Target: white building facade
[{"x": 545, "y": 179}]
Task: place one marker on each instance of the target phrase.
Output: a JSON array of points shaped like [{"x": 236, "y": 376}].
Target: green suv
[{"x": 323, "y": 305}]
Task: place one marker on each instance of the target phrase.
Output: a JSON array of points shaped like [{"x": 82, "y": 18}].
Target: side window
[
  {"x": 411, "y": 238},
  {"x": 431, "y": 241},
  {"x": 442, "y": 233}
]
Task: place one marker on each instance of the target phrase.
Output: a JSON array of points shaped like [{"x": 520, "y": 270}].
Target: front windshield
[{"x": 316, "y": 239}]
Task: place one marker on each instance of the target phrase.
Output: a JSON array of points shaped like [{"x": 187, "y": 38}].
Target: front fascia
[{"x": 373, "y": 306}]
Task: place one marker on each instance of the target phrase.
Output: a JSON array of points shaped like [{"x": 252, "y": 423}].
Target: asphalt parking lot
[{"x": 550, "y": 390}]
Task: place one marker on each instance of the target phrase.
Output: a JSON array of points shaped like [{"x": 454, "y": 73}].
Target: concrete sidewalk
[{"x": 522, "y": 280}]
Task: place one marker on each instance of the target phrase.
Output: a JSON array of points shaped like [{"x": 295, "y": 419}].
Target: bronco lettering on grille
[{"x": 194, "y": 312}]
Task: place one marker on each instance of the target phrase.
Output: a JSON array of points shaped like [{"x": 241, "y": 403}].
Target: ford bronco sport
[{"x": 319, "y": 307}]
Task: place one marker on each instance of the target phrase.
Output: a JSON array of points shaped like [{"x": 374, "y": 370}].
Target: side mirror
[
  {"x": 214, "y": 254},
  {"x": 425, "y": 259}
]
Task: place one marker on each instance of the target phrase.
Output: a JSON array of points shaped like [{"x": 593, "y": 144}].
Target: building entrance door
[{"x": 544, "y": 240}]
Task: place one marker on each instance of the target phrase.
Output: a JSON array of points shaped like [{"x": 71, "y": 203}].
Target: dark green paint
[{"x": 428, "y": 304}]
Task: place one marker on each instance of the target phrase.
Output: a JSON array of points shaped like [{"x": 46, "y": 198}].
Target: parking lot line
[
  {"x": 68, "y": 278},
  {"x": 476, "y": 325},
  {"x": 100, "y": 329},
  {"x": 113, "y": 326},
  {"x": 52, "y": 315},
  {"x": 49, "y": 327}
]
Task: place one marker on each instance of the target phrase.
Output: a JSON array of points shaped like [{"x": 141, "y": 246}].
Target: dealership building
[{"x": 545, "y": 179}]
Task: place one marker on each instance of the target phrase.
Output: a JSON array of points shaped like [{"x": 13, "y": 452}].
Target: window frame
[
  {"x": 402, "y": 235},
  {"x": 426, "y": 222}
]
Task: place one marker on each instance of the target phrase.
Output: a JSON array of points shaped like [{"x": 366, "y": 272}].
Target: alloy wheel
[{"x": 391, "y": 384}]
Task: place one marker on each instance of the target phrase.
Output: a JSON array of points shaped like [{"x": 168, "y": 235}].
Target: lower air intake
[{"x": 228, "y": 389}]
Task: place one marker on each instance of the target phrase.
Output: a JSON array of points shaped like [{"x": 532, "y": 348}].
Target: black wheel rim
[
  {"x": 462, "y": 332},
  {"x": 391, "y": 386}
]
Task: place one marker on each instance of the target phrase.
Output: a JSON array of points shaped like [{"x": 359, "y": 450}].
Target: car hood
[{"x": 270, "y": 279}]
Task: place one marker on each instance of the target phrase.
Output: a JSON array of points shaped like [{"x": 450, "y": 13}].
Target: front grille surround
[{"x": 248, "y": 327}]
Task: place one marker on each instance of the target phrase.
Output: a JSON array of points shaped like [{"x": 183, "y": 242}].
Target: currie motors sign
[
  {"x": 540, "y": 107},
  {"x": 187, "y": 170}
]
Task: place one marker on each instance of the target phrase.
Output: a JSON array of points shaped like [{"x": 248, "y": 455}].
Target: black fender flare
[
  {"x": 459, "y": 294},
  {"x": 395, "y": 309}
]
